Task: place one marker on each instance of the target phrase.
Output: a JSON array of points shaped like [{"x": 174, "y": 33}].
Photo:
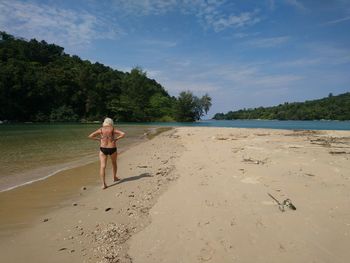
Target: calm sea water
[
  {"x": 34, "y": 151},
  {"x": 273, "y": 124}
]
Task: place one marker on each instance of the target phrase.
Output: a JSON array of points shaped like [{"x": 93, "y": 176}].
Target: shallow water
[{"x": 30, "y": 152}]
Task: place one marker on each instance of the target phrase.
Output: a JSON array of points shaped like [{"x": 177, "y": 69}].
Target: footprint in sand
[
  {"x": 250, "y": 180},
  {"x": 206, "y": 253},
  {"x": 209, "y": 203}
]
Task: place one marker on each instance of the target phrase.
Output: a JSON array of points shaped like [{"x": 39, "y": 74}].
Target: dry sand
[{"x": 218, "y": 209}]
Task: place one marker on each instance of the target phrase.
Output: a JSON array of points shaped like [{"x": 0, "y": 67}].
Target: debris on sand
[
  {"x": 252, "y": 161},
  {"x": 329, "y": 141},
  {"x": 109, "y": 242},
  {"x": 308, "y": 174},
  {"x": 286, "y": 203},
  {"x": 222, "y": 138},
  {"x": 339, "y": 152},
  {"x": 303, "y": 133},
  {"x": 262, "y": 134}
]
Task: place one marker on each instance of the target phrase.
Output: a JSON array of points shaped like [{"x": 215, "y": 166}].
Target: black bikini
[{"x": 108, "y": 151}]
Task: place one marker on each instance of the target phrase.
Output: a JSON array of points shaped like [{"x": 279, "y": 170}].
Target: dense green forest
[
  {"x": 330, "y": 108},
  {"x": 39, "y": 82}
]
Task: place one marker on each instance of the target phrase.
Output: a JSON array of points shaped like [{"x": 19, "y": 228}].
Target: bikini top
[{"x": 110, "y": 137}]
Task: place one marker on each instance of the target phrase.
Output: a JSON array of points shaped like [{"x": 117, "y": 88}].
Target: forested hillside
[
  {"x": 40, "y": 82},
  {"x": 330, "y": 108}
]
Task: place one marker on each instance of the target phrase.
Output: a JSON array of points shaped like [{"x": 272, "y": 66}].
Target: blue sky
[{"x": 242, "y": 53}]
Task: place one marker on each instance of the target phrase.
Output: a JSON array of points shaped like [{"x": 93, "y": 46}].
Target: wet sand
[
  {"x": 201, "y": 195},
  {"x": 24, "y": 206}
]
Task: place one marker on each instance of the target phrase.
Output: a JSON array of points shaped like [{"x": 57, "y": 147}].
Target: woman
[{"x": 107, "y": 135}]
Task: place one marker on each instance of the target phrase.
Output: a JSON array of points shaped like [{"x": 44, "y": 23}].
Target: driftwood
[
  {"x": 250, "y": 160},
  {"x": 337, "y": 142},
  {"x": 286, "y": 203},
  {"x": 338, "y": 152}
]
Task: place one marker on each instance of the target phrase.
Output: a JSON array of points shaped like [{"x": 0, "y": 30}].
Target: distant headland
[{"x": 329, "y": 108}]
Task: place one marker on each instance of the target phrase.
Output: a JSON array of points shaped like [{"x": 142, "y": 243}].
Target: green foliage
[
  {"x": 206, "y": 103},
  {"x": 330, "y": 108},
  {"x": 39, "y": 82},
  {"x": 63, "y": 113},
  {"x": 166, "y": 119},
  {"x": 190, "y": 108}
]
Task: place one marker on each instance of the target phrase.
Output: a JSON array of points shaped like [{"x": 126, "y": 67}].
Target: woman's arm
[
  {"x": 119, "y": 133},
  {"x": 93, "y": 136}
]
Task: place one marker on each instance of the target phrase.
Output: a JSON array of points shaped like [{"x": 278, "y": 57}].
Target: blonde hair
[{"x": 107, "y": 122}]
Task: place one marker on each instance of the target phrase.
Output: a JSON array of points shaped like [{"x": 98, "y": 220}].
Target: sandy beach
[{"x": 202, "y": 195}]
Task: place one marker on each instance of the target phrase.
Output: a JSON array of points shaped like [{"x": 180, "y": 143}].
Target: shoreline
[
  {"x": 67, "y": 166},
  {"x": 78, "y": 209},
  {"x": 31, "y": 200},
  {"x": 215, "y": 176},
  {"x": 16, "y": 175}
]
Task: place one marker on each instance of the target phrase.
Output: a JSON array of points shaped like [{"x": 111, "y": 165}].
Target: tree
[
  {"x": 190, "y": 108},
  {"x": 206, "y": 103}
]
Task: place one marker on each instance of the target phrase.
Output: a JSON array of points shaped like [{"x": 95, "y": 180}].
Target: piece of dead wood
[
  {"x": 286, "y": 203},
  {"x": 338, "y": 152},
  {"x": 252, "y": 161}
]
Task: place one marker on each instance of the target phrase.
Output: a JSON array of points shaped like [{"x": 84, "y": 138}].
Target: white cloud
[
  {"x": 276, "y": 80},
  {"x": 199, "y": 88},
  {"x": 337, "y": 21},
  {"x": 145, "y": 7},
  {"x": 62, "y": 26},
  {"x": 241, "y": 35},
  {"x": 210, "y": 14},
  {"x": 319, "y": 55},
  {"x": 160, "y": 43},
  {"x": 215, "y": 78},
  {"x": 237, "y": 21},
  {"x": 330, "y": 54},
  {"x": 271, "y": 4},
  {"x": 269, "y": 42},
  {"x": 227, "y": 83},
  {"x": 300, "y": 62},
  {"x": 296, "y": 3},
  {"x": 153, "y": 73},
  {"x": 178, "y": 63},
  {"x": 253, "y": 76}
]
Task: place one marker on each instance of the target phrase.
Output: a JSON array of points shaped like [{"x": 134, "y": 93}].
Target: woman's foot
[
  {"x": 116, "y": 179},
  {"x": 104, "y": 187}
]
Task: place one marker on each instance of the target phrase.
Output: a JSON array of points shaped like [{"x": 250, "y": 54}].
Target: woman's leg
[
  {"x": 103, "y": 162},
  {"x": 114, "y": 166}
]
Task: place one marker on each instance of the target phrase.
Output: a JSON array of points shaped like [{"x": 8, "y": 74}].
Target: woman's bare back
[{"x": 108, "y": 137}]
